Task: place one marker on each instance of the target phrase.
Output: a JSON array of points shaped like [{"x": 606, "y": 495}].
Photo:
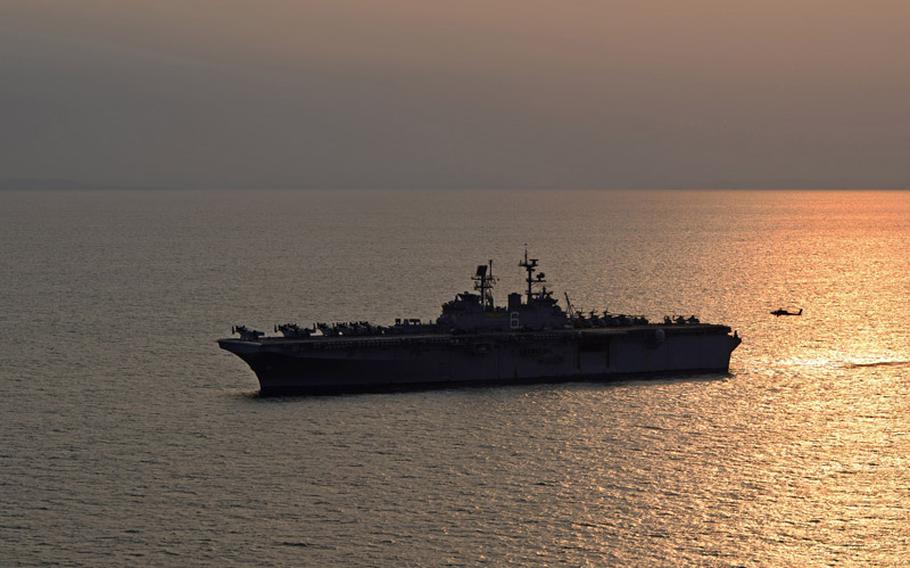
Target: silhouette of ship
[
  {"x": 474, "y": 341},
  {"x": 782, "y": 312}
]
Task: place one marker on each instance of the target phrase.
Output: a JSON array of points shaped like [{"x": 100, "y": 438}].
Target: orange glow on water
[{"x": 120, "y": 414}]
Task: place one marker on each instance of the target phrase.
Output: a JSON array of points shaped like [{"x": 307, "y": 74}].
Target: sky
[{"x": 466, "y": 94}]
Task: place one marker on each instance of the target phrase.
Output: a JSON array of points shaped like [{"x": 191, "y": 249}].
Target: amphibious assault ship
[{"x": 474, "y": 341}]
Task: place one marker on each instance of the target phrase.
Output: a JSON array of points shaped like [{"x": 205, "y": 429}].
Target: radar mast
[
  {"x": 530, "y": 265},
  {"x": 483, "y": 283}
]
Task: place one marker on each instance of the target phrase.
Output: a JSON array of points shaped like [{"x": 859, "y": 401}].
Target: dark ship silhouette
[{"x": 530, "y": 339}]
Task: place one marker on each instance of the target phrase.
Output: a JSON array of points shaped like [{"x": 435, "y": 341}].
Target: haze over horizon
[{"x": 408, "y": 94}]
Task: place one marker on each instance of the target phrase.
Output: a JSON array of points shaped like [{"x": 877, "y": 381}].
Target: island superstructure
[{"x": 474, "y": 341}]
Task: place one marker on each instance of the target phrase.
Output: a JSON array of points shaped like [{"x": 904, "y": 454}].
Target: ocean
[{"x": 129, "y": 439}]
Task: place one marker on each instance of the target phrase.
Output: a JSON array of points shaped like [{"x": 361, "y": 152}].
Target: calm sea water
[{"x": 128, "y": 438}]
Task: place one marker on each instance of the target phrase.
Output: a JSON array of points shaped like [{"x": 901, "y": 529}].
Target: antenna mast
[
  {"x": 483, "y": 283},
  {"x": 530, "y": 265}
]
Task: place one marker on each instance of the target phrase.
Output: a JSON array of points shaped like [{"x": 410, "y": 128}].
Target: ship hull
[{"x": 333, "y": 365}]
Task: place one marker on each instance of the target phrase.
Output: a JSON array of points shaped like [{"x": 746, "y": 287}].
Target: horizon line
[{"x": 62, "y": 186}]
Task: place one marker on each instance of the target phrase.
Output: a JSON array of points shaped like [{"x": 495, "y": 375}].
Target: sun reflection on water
[{"x": 800, "y": 457}]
